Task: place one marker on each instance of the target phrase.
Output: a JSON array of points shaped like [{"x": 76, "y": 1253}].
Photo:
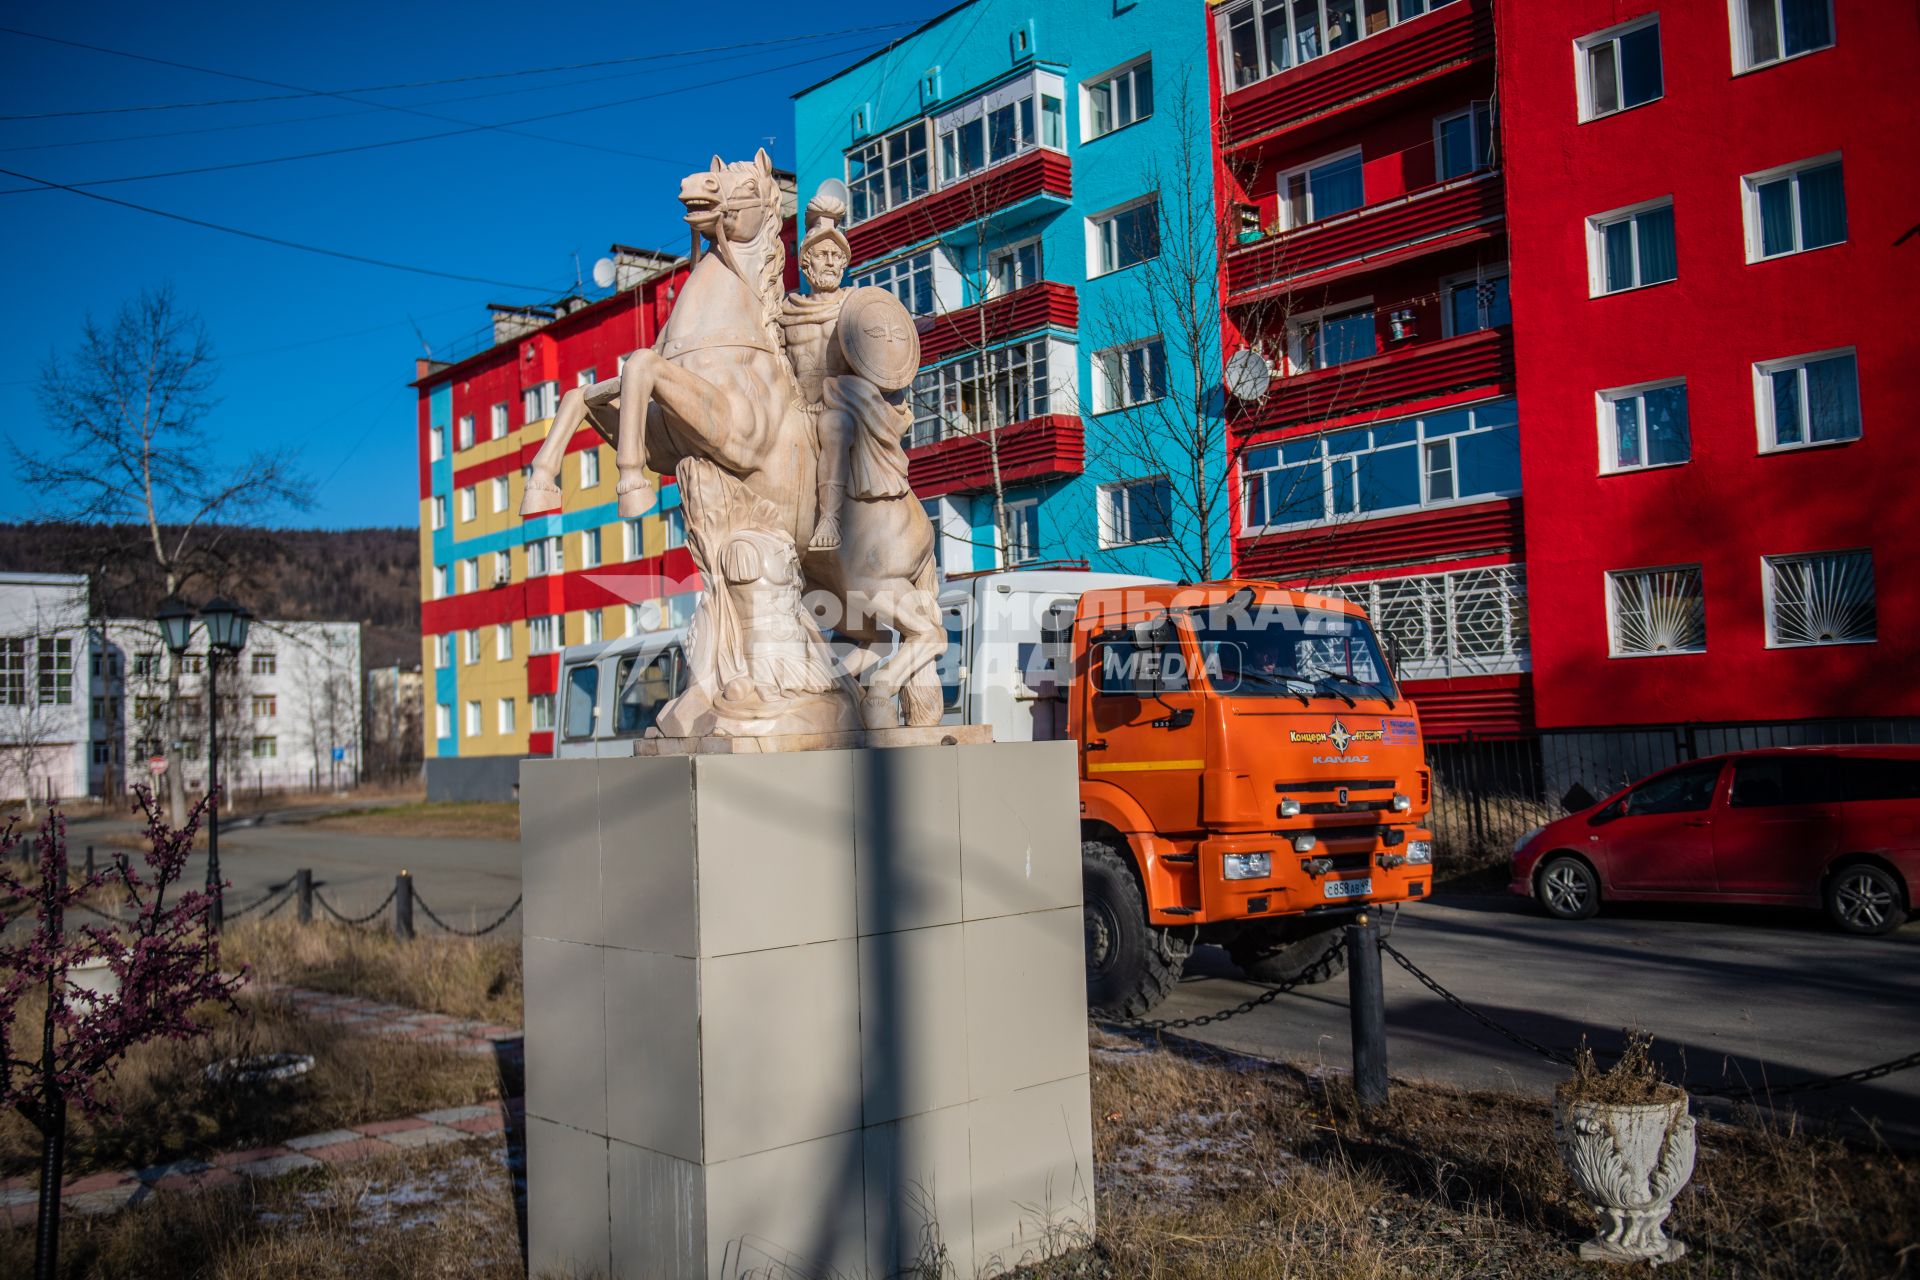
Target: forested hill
[{"x": 370, "y": 576}]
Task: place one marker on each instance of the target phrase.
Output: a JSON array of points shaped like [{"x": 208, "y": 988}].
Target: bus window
[
  {"x": 644, "y": 693},
  {"x": 583, "y": 687},
  {"x": 953, "y": 659}
]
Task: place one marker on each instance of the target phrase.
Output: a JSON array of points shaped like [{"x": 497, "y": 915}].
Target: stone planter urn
[
  {"x": 95, "y": 975},
  {"x": 1629, "y": 1159}
]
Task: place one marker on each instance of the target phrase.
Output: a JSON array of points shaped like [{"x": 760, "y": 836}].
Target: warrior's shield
[{"x": 878, "y": 338}]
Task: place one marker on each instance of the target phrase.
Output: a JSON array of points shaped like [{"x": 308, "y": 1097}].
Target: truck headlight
[
  {"x": 1304, "y": 844},
  {"x": 1248, "y": 866},
  {"x": 1419, "y": 852},
  {"x": 1289, "y": 808},
  {"x": 1401, "y": 803}
]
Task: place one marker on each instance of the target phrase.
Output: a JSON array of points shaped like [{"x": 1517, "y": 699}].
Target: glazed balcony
[
  {"x": 1491, "y": 527},
  {"x": 1417, "y": 371},
  {"x": 1428, "y": 220},
  {"x": 1016, "y": 191},
  {"x": 1363, "y": 81},
  {"x": 962, "y": 462},
  {"x": 1043, "y": 304}
]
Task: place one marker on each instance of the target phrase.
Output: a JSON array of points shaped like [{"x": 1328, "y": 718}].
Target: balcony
[
  {"x": 1419, "y": 371},
  {"x": 1428, "y": 220},
  {"x": 1492, "y": 527},
  {"x": 1026, "y": 186},
  {"x": 1037, "y": 449},
  {"x": 1348, "y": 86},
  {"x": 1039, "y": 305}
]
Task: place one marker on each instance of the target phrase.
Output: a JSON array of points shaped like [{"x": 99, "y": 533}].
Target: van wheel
[
  {"x": 1131, "y": 965},
  {"x": 1567, "y": 888},
  {"x": 1267, "y": 954},
  {"x": 1865, "y": 899}
]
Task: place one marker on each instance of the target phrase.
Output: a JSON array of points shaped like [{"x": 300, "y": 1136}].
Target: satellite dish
[
  {"x": 833, "y": 189},
  {"x": 1248, "y": 375},
  {"x": 603, "y": 273}
]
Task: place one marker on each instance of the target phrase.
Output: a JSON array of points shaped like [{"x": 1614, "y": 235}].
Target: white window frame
[
  {"x": 1111, "y": 380},
  {"x": 884, "y": 140},
  {"x": 546, "y": 556},
  {"x": 463, "y": 438},
  {"x": 498, "y": 420},
  {"x": 585, "y": 377},
  {"x": 1018, "y": 509},
  {"x": 634, "y": 539},
  {"x": 1116, "y": 512},
  {"x": 1011, "y": 253},
  {"x": 502, "y": 494},
  {"x": 1035, "y": 87},
  {"x": 673, "y": 525},
  {"x": 1610, "y": 580},
  {"x": 1481, "y": 164},
  {"x": 1300, "y": 322},
  {"x": 442, "y": 720},
  {"x": 1604, "y": 401},
  {"x": 503, "y": 641},
  {"x": 1763, "y": 371},
  {"x": 1742, "y": 38},
  {"x": 437, "y": 511},
  {"x": 901, "y": 275},
  {"x": 1226, "y": 13},
  {"x": 589, "y": 548},
  {"x": 1109, "y": 80},
  {"x": 443, "y": 651},
  {"x": 546, "y": 633},
  {"x": 469, "y": 504},
  {"x": 473, "y": 720},
  {"x": 436, "y": 442},
  {"x": 470, "y": 647},
  {"x": 1769, "y": 596},
  {"x": 540, "y": 707},
  {"x": 1750, "y": 185},
  {"x": 594, "y": 628},
  {"x": 1097, "y": 237},
  {"x": 441, "y": 579},
  {"x": 1583, "y": 67},
  {"x": 1597, "y": 247},
  {"x": 1282, "y": 208},
  {"x": 590, "y": 467},
  {"x": 502, "y": 568},
  {"x": 539, "y": 402},
  {"x": 506, "y": 716},
  {"x": 1449, "y": 283},
  {"x": 470, "y": 574}
]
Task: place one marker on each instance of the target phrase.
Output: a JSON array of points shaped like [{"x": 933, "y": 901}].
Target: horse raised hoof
[
  {"x": 826, "y": 534},
  {"x": 637, "y": 497},
  {"x": 879, "y": 712},
  {"x": 540, "y": 498}
]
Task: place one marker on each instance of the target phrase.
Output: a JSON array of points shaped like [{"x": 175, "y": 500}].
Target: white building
[
  {"x": 45, "y": 697},
  {"x": 290, "y": 708}
]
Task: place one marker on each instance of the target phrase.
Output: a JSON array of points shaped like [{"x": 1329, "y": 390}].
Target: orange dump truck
[{"x": 1250, "y": 775}]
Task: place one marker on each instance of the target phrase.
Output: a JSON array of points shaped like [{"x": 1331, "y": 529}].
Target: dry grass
[
  {"x": 475, "y": 978},
  {"x": 485, "y": 820}
]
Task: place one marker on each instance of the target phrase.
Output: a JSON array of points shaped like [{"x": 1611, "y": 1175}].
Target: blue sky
[{"x": 316, "y": 352}]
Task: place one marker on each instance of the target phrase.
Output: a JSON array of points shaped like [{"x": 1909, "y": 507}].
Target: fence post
[
  {"x": 403, "y": 907},
  {"x": 303, "y": 887},
  {"x": 89, "y": 862},
  {"x": 1366, "y": 1006}
]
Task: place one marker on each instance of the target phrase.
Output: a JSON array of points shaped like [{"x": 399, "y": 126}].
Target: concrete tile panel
[
  {"x": 776, "y": 849},
  {"x": 919, "y": 1197},
  {"x": 1026, "y": 1000},
  {"x": 659, "y": 1227},
  {"x": 560, "y": 849},
  {"x": 1019, "y": 828},
  {"x": 653, "y": 1051},
  {"x": 794, "y": 1211},
  {"x": 566, "y": 1040},
  {"x": 780, "y": 1047},
  {"x": 913, "y": 1025},
  {"x": 906, "y": 814},
  {"x": 1032, "y": 1154},
  {"x": 567, "y": 1213},
  {"x": 647, "y": 854}
]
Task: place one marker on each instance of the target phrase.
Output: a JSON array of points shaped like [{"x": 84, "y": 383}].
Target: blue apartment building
[{"x": 1013, "y": 175}]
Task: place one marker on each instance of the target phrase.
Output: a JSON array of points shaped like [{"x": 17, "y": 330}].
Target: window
[
  {"x": 13, "y": 673},
  {"x": 1320, "y": 190},
  {"x": 470, "y": 646},
  {"x": 442, "y": 720},
  {"x": 643, "y": 694},
  {"x": 464, "y": 438},
  {"x": 442, "y": 651},
  {"x": 503, "y": 641},
  {"x": 469, "y": 504},
  {"x": 635, "y": 539},
  {"x": 981, "y": 393},
  {"x": 498, "y": 416},
  {"x": 909, "y": 279},
  {"x": 1463, "y": 142},
  {"x": 1619, "y": 68},
  {"x": 1143, "y": 664},
  {"x": 1769, "y": 31},
  {"x": 436, "y": 442},
  {"x": 1688, "y": 789},
  {"x": 193, "y": 663},
  {"x": 673, "y": 525},
  {"x": 545, "y": 633},
  {"x": 589, "y": 548},
  {"x": 1125, "y": 236},
  {"x": 1632, "y": 247},
  {"x": 545, "y": 555},
  {"x": 502, "y": 494},
  {"x": 502, "y": 568},
  {"x": 266, "y": 748},
  {"x": 1119, "y": 99},
  {"x": 585, "y": 378},
  {"x": 1807, "y": 400},
  {"x": 441, "y": 581},
  {"x": 888, "y": 172},
  {"x": 1477, "y": 301},
  {"x": 437, "y": 509},
  {"x": 595, "y": 627},
  {"x": 265, "y": 664},
  {"x": 1654, "y": 611},
  {"x": 506, "y": 715},
  {"x": 540, "y": 707},
  {"x": 143, "y": 709},
  {"x": 265, "y": 704},
  {"x": 1644, "y": 426},
  {"x": 1330, "y": 338},
  {"x": 1014, "y": 267},
  {"x": 583, "y": 695},
  {"x": 1129, "y": 375},
  {"x": 1396, "y": 466},
  {"x": 1826, "y": 598},
  {"x": 1135, "y": 511},
  {"x": 590, "y": 467},
  {"x": 999, "y": 125},
  {"x": 1795, "y": 208},
  {"x": 539, "y": 401},
  {"x": 1442, "y": 625},
  {"x": 1261, "y": 38},
  {"x": 473, "y": 717},
  {"x": 1764, "y": 782},
  {"x": 1020, "y": 531},
  {"x": 144, "y": 664},
  {"x": 470, "y": 574},
  {"x": 56, "y": 672}
]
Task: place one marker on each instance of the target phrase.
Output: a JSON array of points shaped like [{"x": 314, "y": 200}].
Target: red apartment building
[
  {"x": 1363, "y": 192},
  {"x": 1712, "y": 209}
]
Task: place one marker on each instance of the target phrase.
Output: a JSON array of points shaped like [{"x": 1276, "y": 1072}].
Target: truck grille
[
  {"x": 1340, "y": 861},
  {"x": 1363, "y": 831},
  {"x": 1351, "y": 806},
  {"x": 1334, "y": 784}
]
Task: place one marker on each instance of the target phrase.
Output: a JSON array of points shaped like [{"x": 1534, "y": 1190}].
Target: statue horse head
[{"x": 738, "y": 209}]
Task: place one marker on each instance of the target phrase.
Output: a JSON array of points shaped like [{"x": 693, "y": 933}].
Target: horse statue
[{"x": 717, "y": 403}]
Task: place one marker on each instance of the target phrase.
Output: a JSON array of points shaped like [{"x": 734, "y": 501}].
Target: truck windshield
[{"x": 1282, "y": 651}]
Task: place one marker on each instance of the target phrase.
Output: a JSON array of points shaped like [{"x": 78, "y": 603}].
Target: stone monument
[{"x": 804, "y": 974}]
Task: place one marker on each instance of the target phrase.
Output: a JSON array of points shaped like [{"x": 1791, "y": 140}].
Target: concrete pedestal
[{"x": 820, "y": 1013}]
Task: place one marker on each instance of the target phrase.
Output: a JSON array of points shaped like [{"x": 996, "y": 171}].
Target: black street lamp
[{"x": 226, "y": 624}]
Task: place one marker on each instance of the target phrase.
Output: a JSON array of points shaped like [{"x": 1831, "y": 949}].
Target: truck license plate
[{"x": 1349, "y": 888}]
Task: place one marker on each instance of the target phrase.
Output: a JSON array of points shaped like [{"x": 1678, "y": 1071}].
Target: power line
[{"x": 409, "y": 84}]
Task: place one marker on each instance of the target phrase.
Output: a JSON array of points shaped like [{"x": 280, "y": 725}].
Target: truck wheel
[
  {"x": 1131, "y": 965},
  {"x": 1863, "y": 898},
  {"x": 1265, "y": 957}
]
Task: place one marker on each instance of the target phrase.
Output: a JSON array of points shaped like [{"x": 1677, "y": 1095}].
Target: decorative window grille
[
  {"x": 1657, "y": 611},
  {"x": 56, "y": 673},
  {"x": 1826, "y": 598},
  {"x": 1442, "y": 625}
]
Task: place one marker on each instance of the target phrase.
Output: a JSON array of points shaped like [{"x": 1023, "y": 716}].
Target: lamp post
[{"x": 226, "y": 625}]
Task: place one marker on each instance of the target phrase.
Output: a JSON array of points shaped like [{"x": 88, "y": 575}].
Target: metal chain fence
[
  {"x": 1319, "y": 969},
  {"x": 331, "y": 910},
  {"x": 434, "y": 916}
]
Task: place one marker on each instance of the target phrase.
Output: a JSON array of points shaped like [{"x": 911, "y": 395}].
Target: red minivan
[{"x": 1831, "y": 827}]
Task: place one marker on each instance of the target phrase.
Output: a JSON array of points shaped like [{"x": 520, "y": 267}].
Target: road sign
[
  {"x": 156, "y": 765},
  {"x": 339, "y": 753}
]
